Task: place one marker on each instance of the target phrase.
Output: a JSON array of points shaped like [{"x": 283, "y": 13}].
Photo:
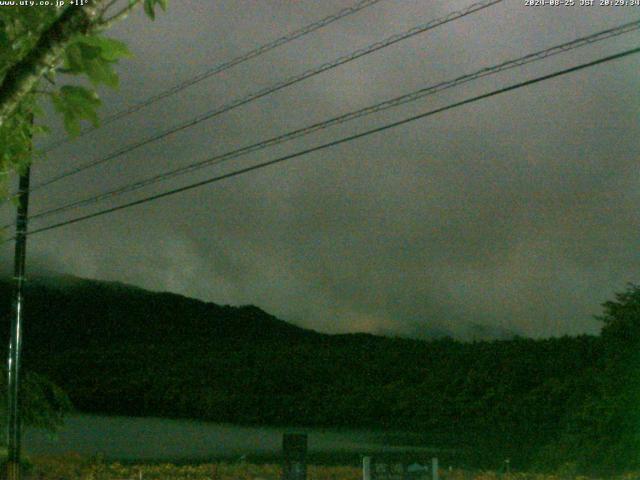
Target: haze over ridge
[{"x": 518, "y": 213}]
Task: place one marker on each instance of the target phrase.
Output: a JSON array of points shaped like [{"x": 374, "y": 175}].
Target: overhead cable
[
  {"x": 274, "y": 88},
  {"x": 378, "y": 107},
  {"x": 335, "y": 142},
  {"x": 301, "y": 32}
]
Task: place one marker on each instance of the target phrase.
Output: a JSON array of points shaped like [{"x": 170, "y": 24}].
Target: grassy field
[{"x": 74, "y": 467}]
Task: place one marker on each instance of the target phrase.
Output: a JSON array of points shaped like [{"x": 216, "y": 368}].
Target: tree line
[{"x": 542, "y": 403}]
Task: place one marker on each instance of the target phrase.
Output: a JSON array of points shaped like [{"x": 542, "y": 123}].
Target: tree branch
[
  {"x": 107, "y": 7},
  {"x": 116, "y": 17},
  {"x": 21, "y": 78},
  {"x": 48, "y": 79}
]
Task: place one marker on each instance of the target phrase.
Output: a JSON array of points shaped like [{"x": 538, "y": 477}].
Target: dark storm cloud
[{"x": 518, "y": 212}]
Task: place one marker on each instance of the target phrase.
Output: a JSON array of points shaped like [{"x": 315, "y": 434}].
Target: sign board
[{"x": 387, "y": 469}]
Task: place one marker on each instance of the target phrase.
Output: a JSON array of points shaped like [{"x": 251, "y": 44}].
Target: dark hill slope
[
  {"x": 122, "y": 350},
  {"x": 82, "y": 312}
]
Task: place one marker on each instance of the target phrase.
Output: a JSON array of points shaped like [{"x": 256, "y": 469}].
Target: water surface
[{"x": 127, "y": 438}]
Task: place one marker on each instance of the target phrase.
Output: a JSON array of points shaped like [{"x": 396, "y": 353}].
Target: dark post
[
  {"x": 294, "y": 456},
  {"x": 15, "y": 341}
]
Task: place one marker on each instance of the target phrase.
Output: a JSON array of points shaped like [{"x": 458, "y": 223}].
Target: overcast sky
[{"x": 520, "y": 212}]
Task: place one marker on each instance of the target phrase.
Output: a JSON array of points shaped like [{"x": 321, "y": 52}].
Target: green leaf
[
  {"x": 89, "y": 53},
  {"x": 73, "y": 59},
  {"x": 149, "y": 9},
  {"x": 150, "y": 5},
  {"x": 101, "y": 72},
  {"x": 93, "y": 56},
  {"x": 76, "y": 103},
  {"x": 111, "y": 49},
  {"x": 41, "y": 129},
  {"x": 4, "y": 38}
]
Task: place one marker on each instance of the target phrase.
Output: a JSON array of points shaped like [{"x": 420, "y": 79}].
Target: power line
[
  {"x": 337, "y": 142},
  {"x": 279, "y": 86},
  {"x": 410, "y": 97},
  {"x": 307, "y": 29}
]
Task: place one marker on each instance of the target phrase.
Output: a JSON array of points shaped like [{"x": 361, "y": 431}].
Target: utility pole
[{"x": 15, "y": 341}]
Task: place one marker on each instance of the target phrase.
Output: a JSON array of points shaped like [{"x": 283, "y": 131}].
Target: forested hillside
[{"x": 121, "y": 350}]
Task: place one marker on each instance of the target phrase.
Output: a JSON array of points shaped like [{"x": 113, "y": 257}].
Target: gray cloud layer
[{"x": 519, "y": 212}]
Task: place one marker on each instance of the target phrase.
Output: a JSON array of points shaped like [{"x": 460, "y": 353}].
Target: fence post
[
  {"x": 366, "y": 468},
  {"x": 434, "y": 468},
  {"x": 294, "y": 456}
]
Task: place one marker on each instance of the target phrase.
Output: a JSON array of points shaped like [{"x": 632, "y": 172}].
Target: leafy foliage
[
  {"x": 43, "y": 404},
  {"x": 15, "y": 142},
  {"x": 76, "y": 103},
  {"x": 92, "y": 56},
  {"x": 150, "y": 7},
  {"x": 95, "y": 56},
  {"x": 20, "y": 29},
  {"x": 621, "y": 317},
  {"x": 604, "y": 431}
]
